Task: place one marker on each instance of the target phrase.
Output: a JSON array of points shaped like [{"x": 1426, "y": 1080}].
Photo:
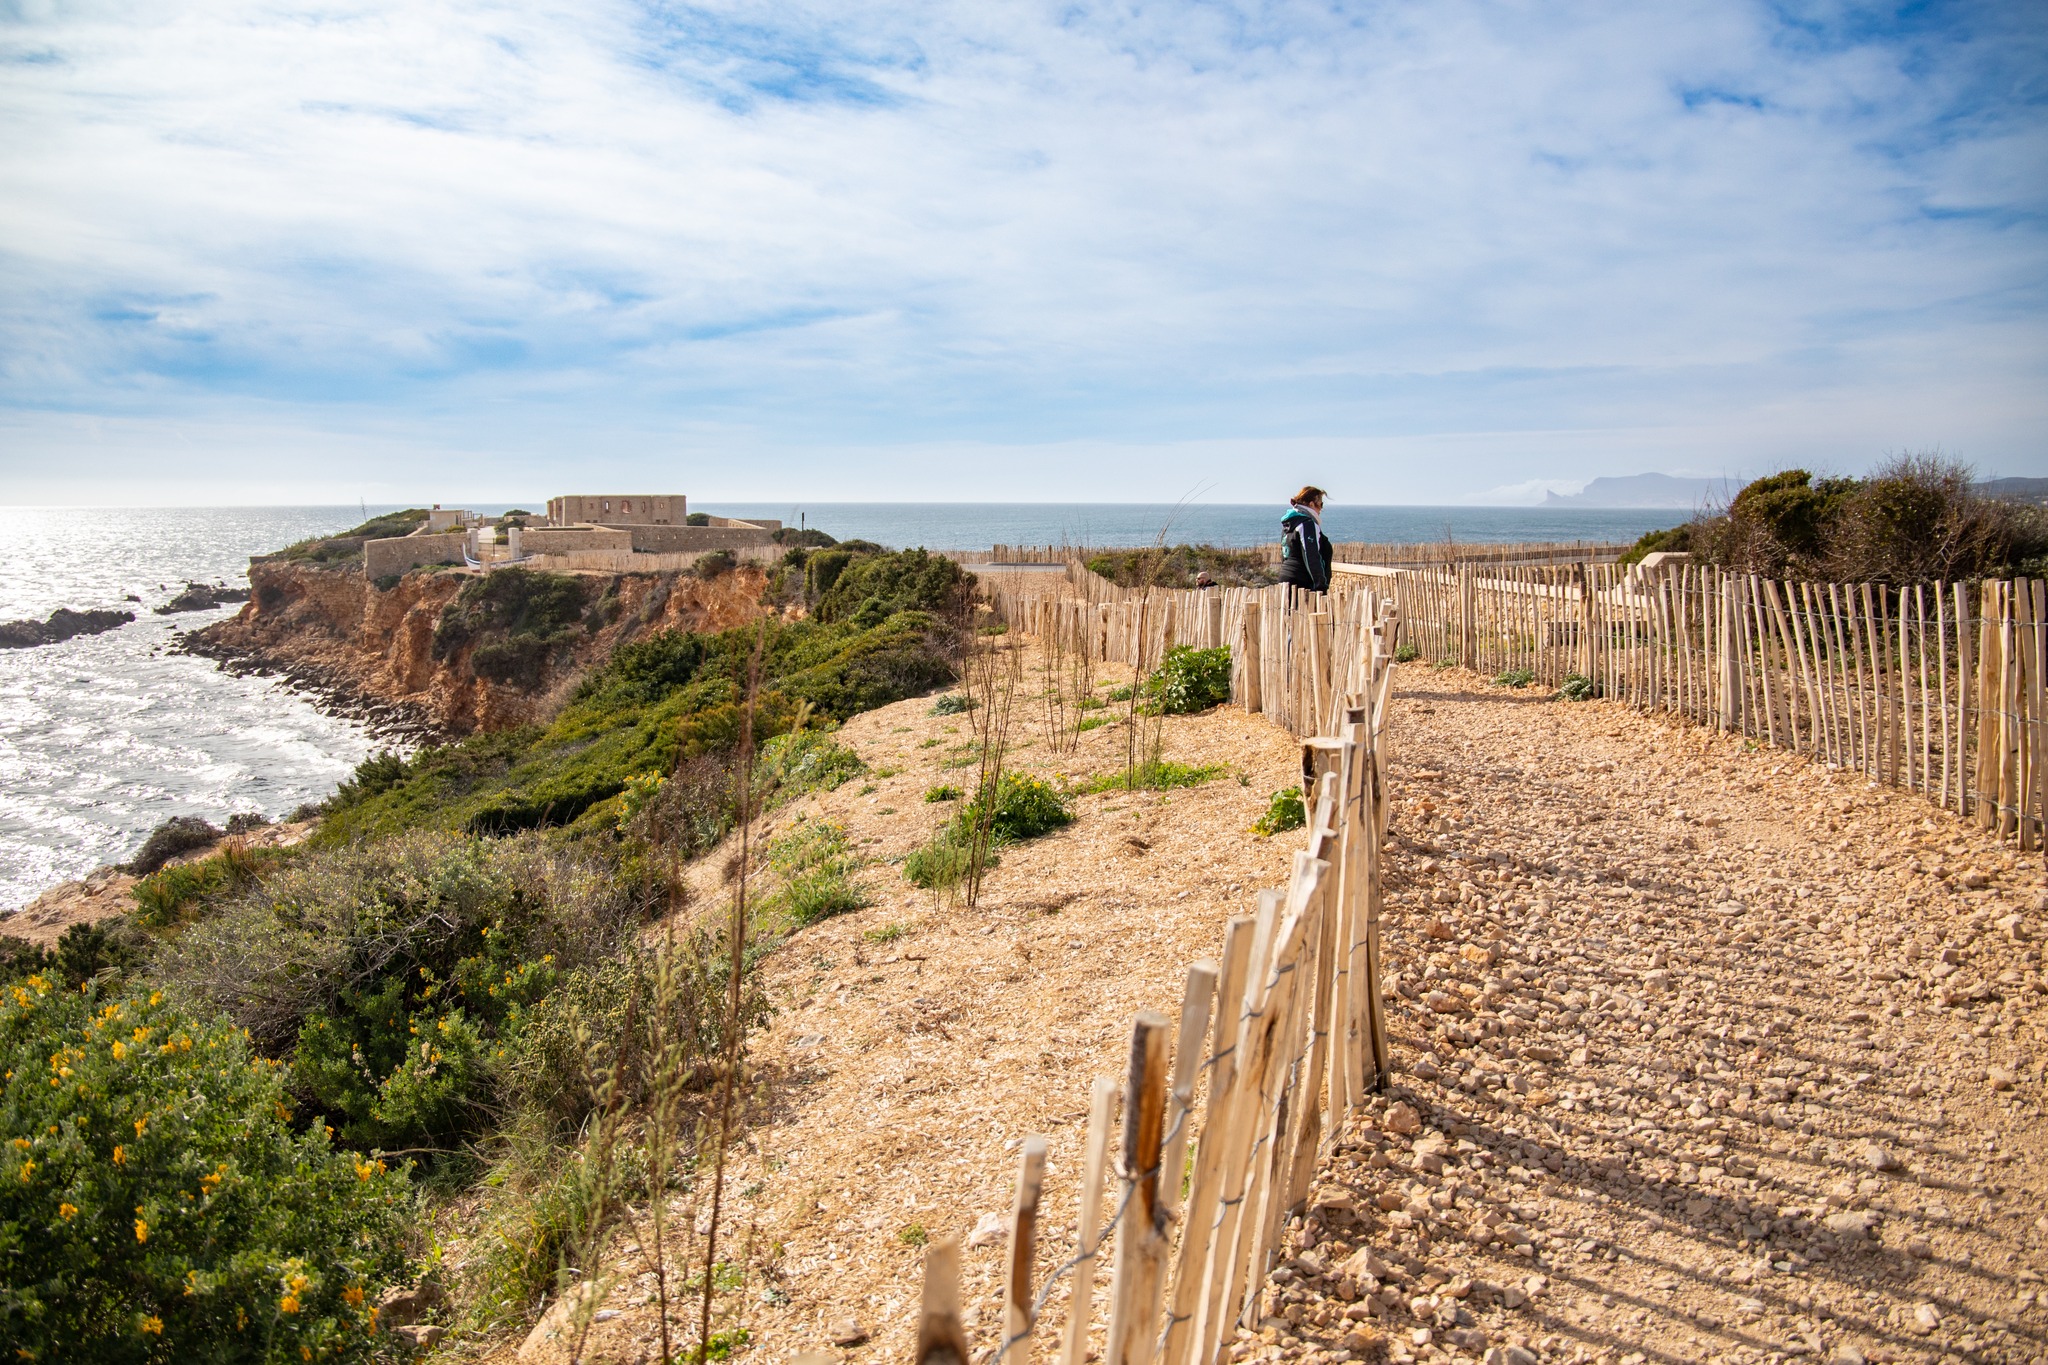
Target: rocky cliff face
[{"x": 371, "y": 652}]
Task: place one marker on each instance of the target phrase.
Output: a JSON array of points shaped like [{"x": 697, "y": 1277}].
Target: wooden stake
[
  {"x": 1140, "y": 1237},
  {"x": 1018, "y": 1319},
  {"x": 940, "y": 1338},
  {"x": 1087, "y": 1227}
]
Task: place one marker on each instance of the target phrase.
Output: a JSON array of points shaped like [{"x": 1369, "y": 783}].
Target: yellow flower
[
  {"x": 288, "y": 1304},
  {"x": 141, "y": 1231},
  {"x": 22, "y": 1143},
  {"x": 353, "y": 1296},
  {"x": 156, "y": 997},
  {"x": 153, "y": 1325},
  {"x": 67, "y": 1211},
  {"x": 119, "y": 1155},
  {"x": 28, "y": 1168},
  {"x": 120, "y": 1049},
  {"x": 284, "y": 1111},
  {"x": 141, "y": 1035},
  {"x": 139, "y": 1123}
]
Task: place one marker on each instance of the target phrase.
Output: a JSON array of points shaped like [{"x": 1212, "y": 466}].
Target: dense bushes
[
  {"x": 1916, "y": 519},
  {"x": 1182, "y": 566},
  {"x": 396, "y": 975},
  {"x": 347, "y": 547},
  {"x": 669, "y": 700},
  {"x": 156, "y": 1200},
  {"x": 514, "y": 621}
]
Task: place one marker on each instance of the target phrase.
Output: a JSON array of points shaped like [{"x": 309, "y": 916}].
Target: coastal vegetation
[
  {"x": 448, "y": 992},
  {"x": 1916, "y": 519},
  {"x": 1182, "y": 566},
  {"x": 347, "y": 546}
]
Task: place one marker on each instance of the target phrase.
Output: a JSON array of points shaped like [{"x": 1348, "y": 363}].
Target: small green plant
[
  {"x": 1515, "y": 677},
  {"x": 1406, "y": 654},
  {"x": 162, "y": 897},
  {"x": 1090, "y": 704},
  {"x": 724, "y": 1343},
  {"x": 1093, "y": 723},
  {"x": 869, "y": 790},
  {"x": 1284, "y": 812},
  {"x": 1025, "y": 807},
  {"x": 1122, "y": 693},
  {"x": 1190, "y": 680},
  {"x": 1578, "y": 687},
  {"x": 952, "y": 704},
  {"x": 942, "y": 792},
  {"x": 817, "y": 864},
  {"x": 941, "y": 865},
  {"x": 806, "y": 761},
  {"x": 887, "y": 933},
  {"x": 1158, "y": 775},
  {"x": 932, "y": 743},
  {"x": 912, "y": 1235}
]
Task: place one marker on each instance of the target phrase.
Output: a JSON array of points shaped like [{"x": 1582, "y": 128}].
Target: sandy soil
[{"x": 1713, "y": 1055}]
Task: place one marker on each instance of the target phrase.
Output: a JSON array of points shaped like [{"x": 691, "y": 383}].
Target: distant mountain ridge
[{"x": 1646, "y": 490}]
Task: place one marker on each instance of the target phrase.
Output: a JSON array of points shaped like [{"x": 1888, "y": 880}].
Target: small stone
[
  {"x": 1879, "y": 1158},
  {"x": 845, "y": 1332},
  {"x": 1402, "y": 1118},
  {"x": 2000, "y": 1079},
  {"x": 1974, "y": 880},
  {"x": 1925, "y": 1318},
  {"x": 1853, "y": 1226},
  {"x": 1439, "y": 931},
  {"x": 988, "y": 1231},
  {"x": 1541, "y": 1052},
  {"x": 1363, "y": 1264},
  {"x": 1360, "y": 1339},
  {"x": 1848, "y": 1354},
  {"x": 423, "y": 1337},
  {"x": 1425, "y": 1069},
  {"x": 1919, "y": 1248},
  {"x": 1513, "y": 1297}
]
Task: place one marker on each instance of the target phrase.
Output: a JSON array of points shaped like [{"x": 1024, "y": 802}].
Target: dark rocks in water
[
  {"x": 179, "y": 834},
  {"x": 201, "y": 596},
  {"x": 62, "y": 625}
]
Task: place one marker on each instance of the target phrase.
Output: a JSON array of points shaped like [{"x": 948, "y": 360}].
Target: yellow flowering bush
[{"x": 155, "y": 1205}]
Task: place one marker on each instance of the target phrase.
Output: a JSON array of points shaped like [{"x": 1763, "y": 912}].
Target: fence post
[
  {"x": 1248, "y": 635},
  {"x": 1141, "y": 1237},
  {"x": 1087, "y": 1228},
  {"x": 1468, "y": 628},
  {"x": 1018, "y": 1319},
  {"x": 940, "y": 1338}
]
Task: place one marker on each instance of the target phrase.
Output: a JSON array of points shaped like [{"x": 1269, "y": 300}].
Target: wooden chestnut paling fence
[
  {"x": 1277, "y": 1041},
  {"x": 1936, "y": 688}
]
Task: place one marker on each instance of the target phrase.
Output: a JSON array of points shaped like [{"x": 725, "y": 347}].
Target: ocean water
[
  {"x": 103, "y": 737},
  {"x": 976, "y": 526}
]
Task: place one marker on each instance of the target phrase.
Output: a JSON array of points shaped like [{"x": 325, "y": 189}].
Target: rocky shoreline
[{"x": 329, "y": 688}]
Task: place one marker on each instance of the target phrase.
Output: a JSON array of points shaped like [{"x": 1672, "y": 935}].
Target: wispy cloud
[{"x": 736, "y": 245}]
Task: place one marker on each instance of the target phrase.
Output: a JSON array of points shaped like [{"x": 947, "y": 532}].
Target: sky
[{"x": 257, "y": 251}]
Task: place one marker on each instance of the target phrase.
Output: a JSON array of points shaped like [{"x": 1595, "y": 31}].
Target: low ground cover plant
[
  {"x": 817, "y": 867},
  {"x": 1514, "y": 677},
  {"x": 1578, "y": 687},
  {"x": 1285, "y": 811},
  {"x": 1158, "y": 774},
  {"x": 1190, "y": 680},
  {"x": 139, "y": 1224}
]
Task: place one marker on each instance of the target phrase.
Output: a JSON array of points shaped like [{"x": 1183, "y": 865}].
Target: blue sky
[{"x": 259, "y": 250}]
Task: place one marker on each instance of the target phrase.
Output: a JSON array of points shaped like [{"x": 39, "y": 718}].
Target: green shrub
[
  {"x": 714, "y": 564},
  {"x": 1156, "y": 775},
  {"x": 515, "y": 621},
  {"x": 952, "y": 704},
  {"x": 1578, "y": 687},
  {"x": 1515, "y": 677},
  {"x": 162, "y": 898},
  {"x": 941, "y": 793},
  {"x": 1190, "y": 680},
  {"x": 1122, "y": 693},
  {"x": 942, "y": 864},
  {"x": 397, "y": 975},
  {"x": 805, "y": 761},
  {"x": 1406, "y": 654},
  {"x": 1087, "y": 723},
  {"x": 155, "y": 1200},
  {"x": 816, "y": 865},
  {"x": 1284, "y": 812},
  {"x": 1025, "y": 807},
  {"x": 88, "y": 952}
]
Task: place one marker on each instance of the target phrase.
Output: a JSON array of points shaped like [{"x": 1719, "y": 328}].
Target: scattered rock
[
  {"x": 2001, "y": 1079},
  {"x": 988, "y": 1230},
  {"x": 398, "y": 1306},
  {"x": 1880, "y": 1158},
  {"x": 845, "y": 1332},
  {"x": 202, "y": 597},
  {"x": 1919, "y": 1248},
  {"x": 1402, "y": 1118},
  {"x": 62, "y": 624},
  {"x": 424, "y": 1337},
  {"x": 1852, "y": 1225},
  {"x": 1925, "y": 1318}
]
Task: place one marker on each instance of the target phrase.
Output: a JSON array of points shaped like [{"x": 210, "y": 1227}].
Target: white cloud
[{"x": 1491, "y": 247}]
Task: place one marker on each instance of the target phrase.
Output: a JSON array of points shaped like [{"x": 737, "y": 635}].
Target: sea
[{"x": 104, "y": 737}]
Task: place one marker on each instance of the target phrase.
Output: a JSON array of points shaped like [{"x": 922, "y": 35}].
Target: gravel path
[{"x": 1711, "y": 1054}]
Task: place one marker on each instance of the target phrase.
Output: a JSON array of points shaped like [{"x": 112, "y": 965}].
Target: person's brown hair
[{"x": 1309, "y": 493}]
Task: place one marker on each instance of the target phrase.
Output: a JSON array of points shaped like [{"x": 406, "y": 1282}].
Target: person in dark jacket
[{"x": 1304, "y": 549}]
